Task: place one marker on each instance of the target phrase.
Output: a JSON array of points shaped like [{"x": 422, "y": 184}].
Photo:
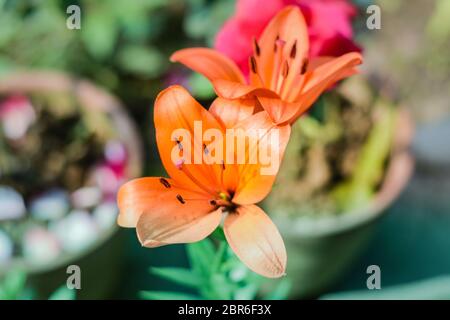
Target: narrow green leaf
[
  {"x": 218, "y": 234},
  {"x": 219, "y": 256},
  {"x": 222, "y": 286},
  {"x": 14, "y": 284},
  {"x": 166, "y": 295},
  {"x": 181, "y": 276},
  {"x": 281, "y": 291},
  {"x": 63, "y": 293},
  {"x": 370, "y": 166},
  {"x": 247, "y": 292},
  {"x": 200, "y": 256}
]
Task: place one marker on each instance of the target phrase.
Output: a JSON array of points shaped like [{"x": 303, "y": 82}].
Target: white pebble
[
  {"x": 40, "y": 246},
  {"x": 12, "y": 205},
  {"x": 105, "y": 215},
  {"x": 76, "y": 232},
  {"x": 51, "y": 205},
  {"x": 86, "y": 197}
]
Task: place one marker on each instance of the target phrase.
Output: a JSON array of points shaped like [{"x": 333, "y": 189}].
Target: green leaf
[
  {"x": 99, "y": 32},
  {"x": 370, "y": 165},
  {"x": 9, "y": 25},
  {"x": 281, "y": 291},
  {"x": 63, "y": 293},
  {"x": 14, "y": 284},
  {"x": 439, "y": 25},
  {"x": 166, "y": 295},
  {"x": 218, "y": 234},
  {"x": 142, "y": 60},
  {"x": 219, "y": 255},
  {"x": 247, "y": 292},
  {"x": 200, "y": 86},
  {"x": 200, "y": 255},
  {"x": 223, "y": 287},
  {"x": 318, "y": 110},
  {"x": 181, "y": 276}
]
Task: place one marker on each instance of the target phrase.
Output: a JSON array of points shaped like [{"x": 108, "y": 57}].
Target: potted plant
[
  {"x": 345, "y": 164},
  {"x": 66, "y": 146}
]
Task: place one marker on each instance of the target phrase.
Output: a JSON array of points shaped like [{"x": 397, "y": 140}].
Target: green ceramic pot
[
  {"x": 321, "y": 250},
  {"x": 101, "y": 262}
]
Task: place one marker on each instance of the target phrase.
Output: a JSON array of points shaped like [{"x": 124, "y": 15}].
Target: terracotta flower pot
[
  {"x": 100, "y": 263},
  {"x": 322, "y": 250}
]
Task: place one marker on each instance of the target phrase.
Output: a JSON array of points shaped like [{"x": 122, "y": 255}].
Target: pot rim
[
  {"x": 398, "y": 173},
  {"x": 90, "y": 97}
]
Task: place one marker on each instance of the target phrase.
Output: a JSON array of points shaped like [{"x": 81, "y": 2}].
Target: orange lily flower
[
  {"x": 190, "y": 205},
  {"x": 282, "y": 78}
]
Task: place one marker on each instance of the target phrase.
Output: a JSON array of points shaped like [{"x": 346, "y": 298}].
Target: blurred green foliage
[
  {"x": 439, "y": 24},
  {"x": 369, "y": 169},
  {"x": 13, "y": 286},
  {"x": 122, "y": 45},
  {"x": 337, "y": 154},
  {"x": 116, "y": 37},
  {"x": 215, "y": 273}
]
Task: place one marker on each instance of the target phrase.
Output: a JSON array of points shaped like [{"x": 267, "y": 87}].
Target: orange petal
[
  {"x": 210, "y": 63},
  {"x": 145, "y": 195},
  {"x": 324, "y": 76},
  {"x": 328, "y": 69},
  {"x": 289, "y": 26},
  {"x": 176, "y": 109},
  {"x": 256, "y": 241},
  {"x": 263, "y": 157},
  {"x": 279, "y": 111},
  {"x": 230, "y": 112},
  {"x": 316, "y": 62},
  {"x": 234, "y": 90},
  {"x": 175, "y": 223}
]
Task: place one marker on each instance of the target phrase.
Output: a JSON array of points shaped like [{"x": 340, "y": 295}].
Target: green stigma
[{"x": 223, "y": 196}]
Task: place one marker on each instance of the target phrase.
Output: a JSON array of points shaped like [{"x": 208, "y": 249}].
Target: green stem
[{"x": 219, "y": 255}]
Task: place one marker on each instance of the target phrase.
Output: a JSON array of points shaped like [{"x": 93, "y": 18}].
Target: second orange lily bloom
[{"x": 282, "y": 79}]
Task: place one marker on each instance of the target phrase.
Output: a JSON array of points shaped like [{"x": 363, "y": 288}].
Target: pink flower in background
[
  {"x": 16, "y": 116},
  {"x": 110, "y": 173},
  {"x": 329, "y": 27}
]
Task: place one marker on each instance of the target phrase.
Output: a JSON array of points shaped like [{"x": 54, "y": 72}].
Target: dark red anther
[
  {"x": 253, "y": 64},
  {"x": 180, "y": 198},
  {"x": 305, "y": 65},
  {"x": 257, "y": 48},
  {"x": 165, "y": 183},
  {"x": 285, "y": 71},
  {"x": 294, "y": 50}
]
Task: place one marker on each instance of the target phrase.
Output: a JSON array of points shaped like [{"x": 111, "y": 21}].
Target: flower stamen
[
  {"x": 304, "y": 66},
  {"x": 254, "y": 68},
  {"x": 180, "y": 166},
  {"x": 165, "y": 183},
  {"x": 256, "y": 47},
  {"x": 294, "y": 50},
  {"x": 279, "y": 45},
  {"x": 180, "y": 198}
]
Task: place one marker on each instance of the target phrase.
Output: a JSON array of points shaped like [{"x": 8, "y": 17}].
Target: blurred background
[{"x": 76, "y": 122}]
